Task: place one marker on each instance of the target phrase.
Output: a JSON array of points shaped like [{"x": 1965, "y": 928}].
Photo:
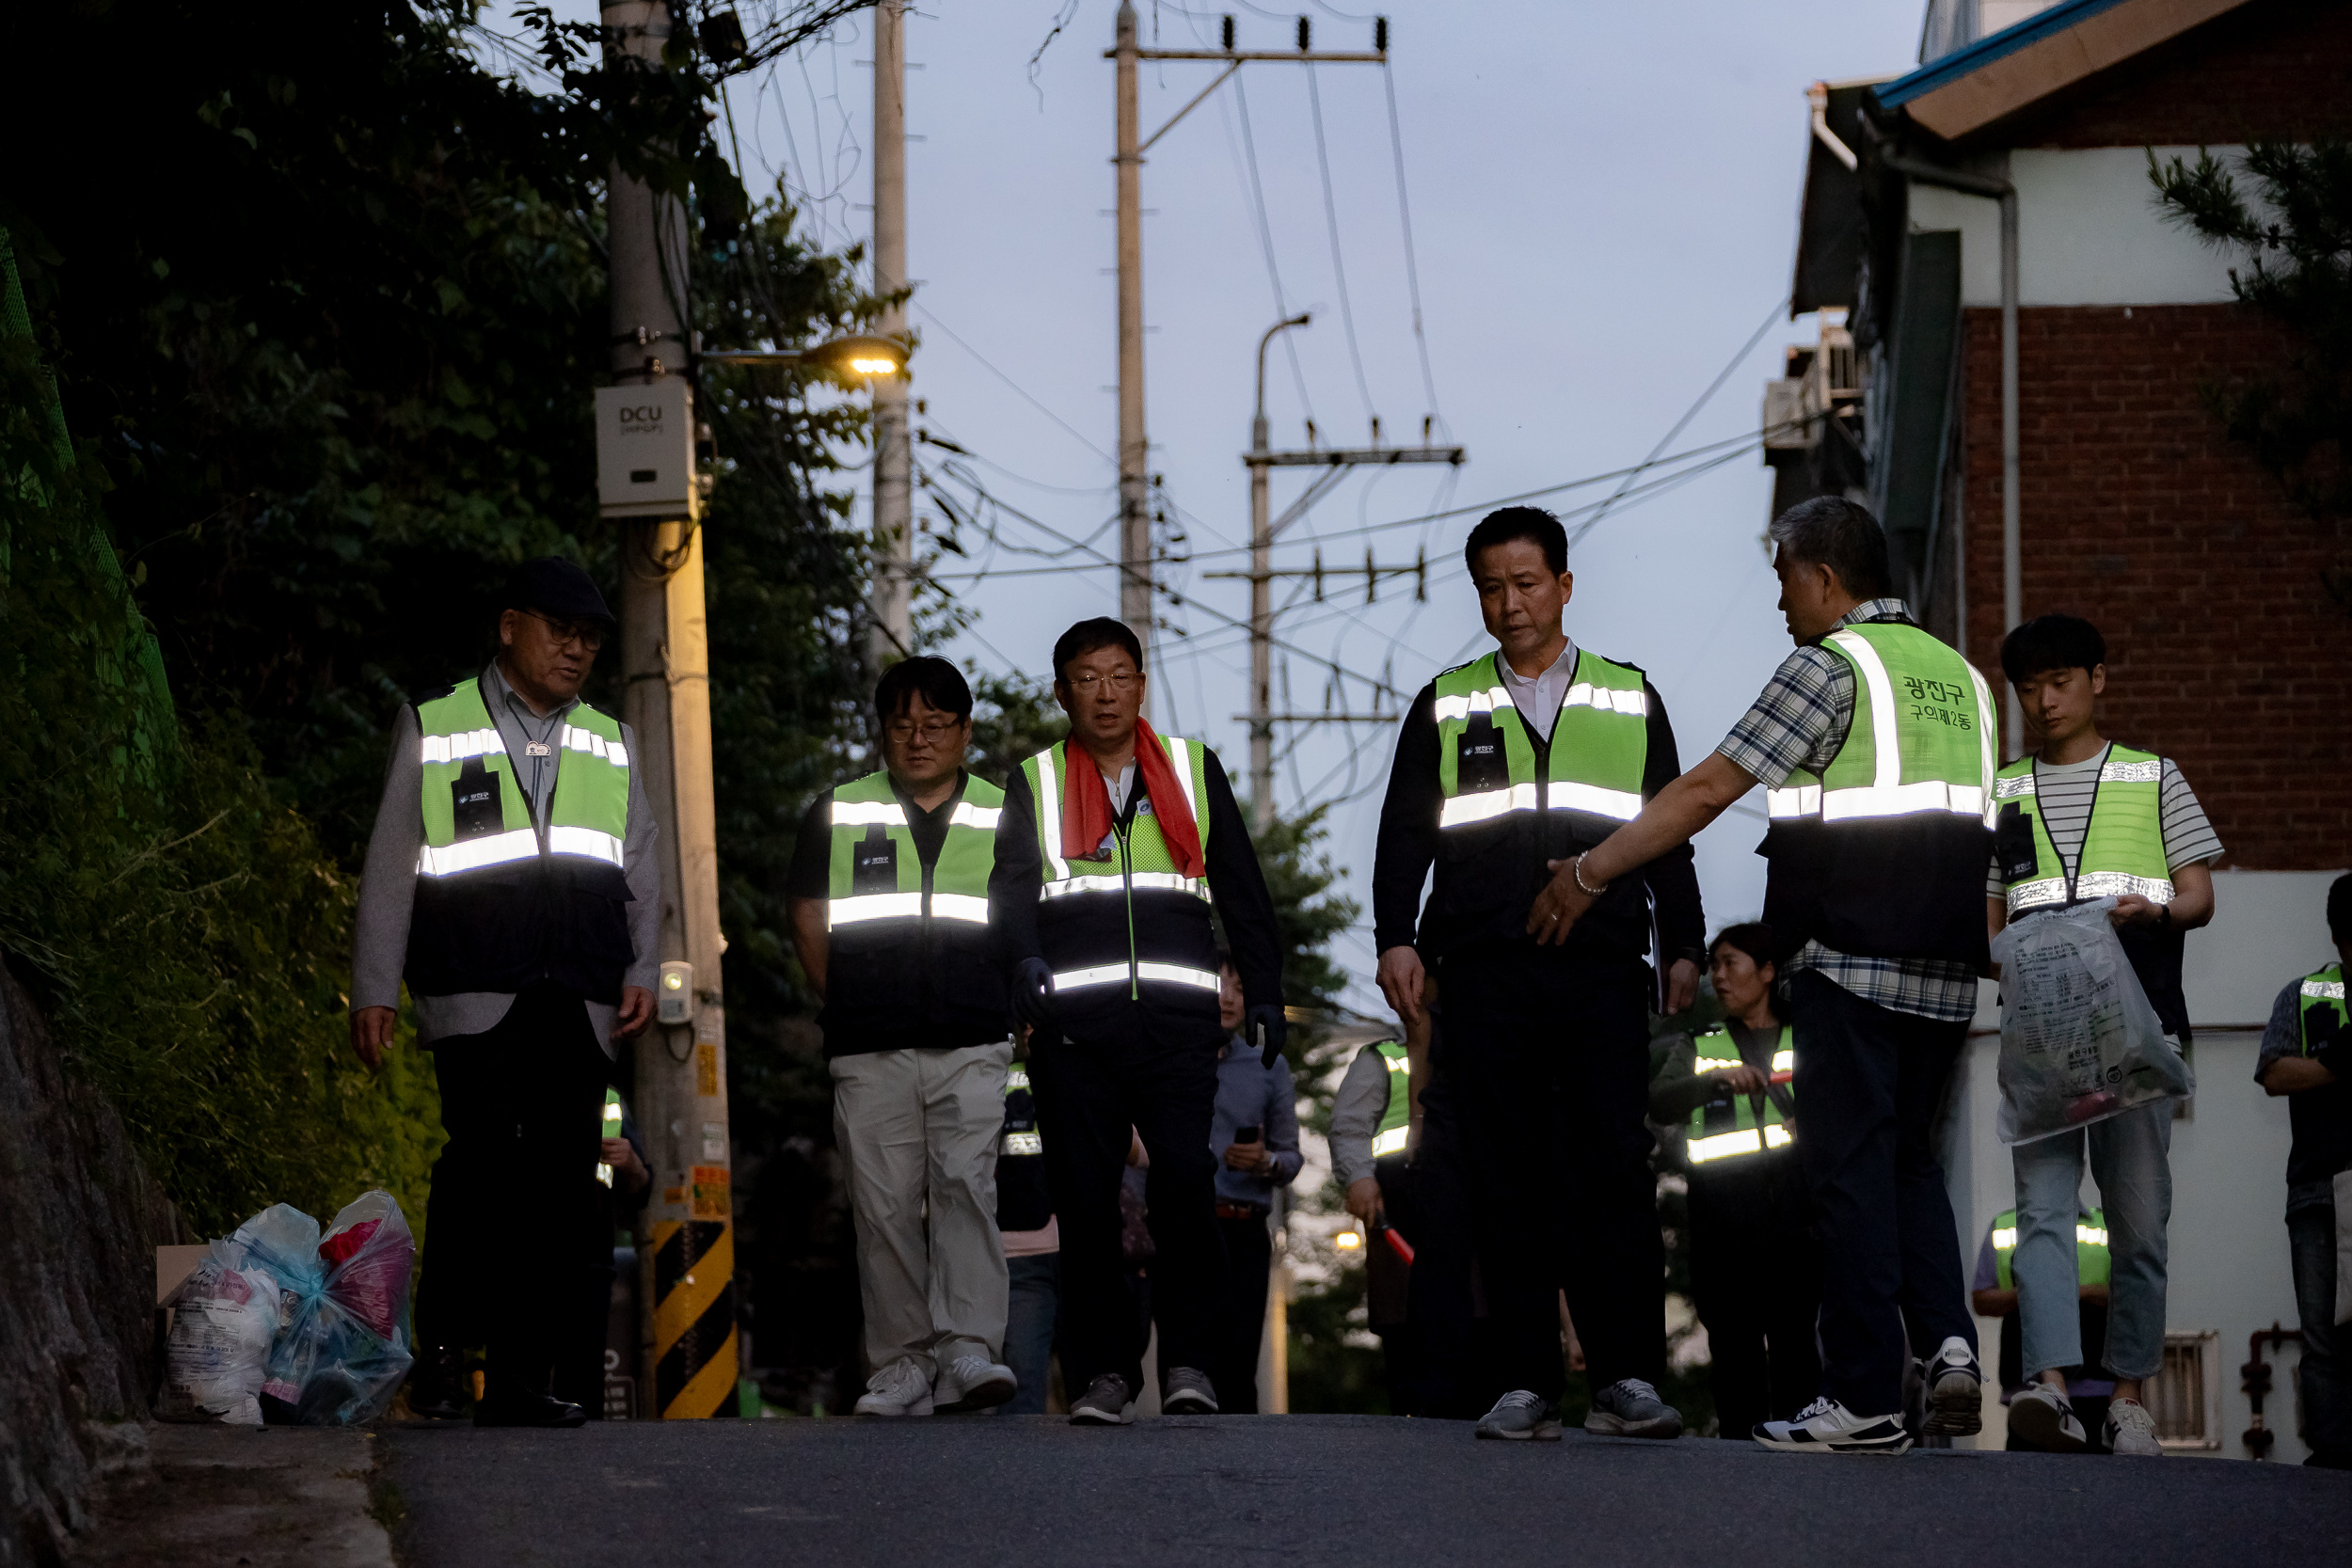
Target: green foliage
[
  {"x": 1331, "y": 1371},
  {"x": 2295, "y": 237},
  {"x": 1014, "y": 718}
]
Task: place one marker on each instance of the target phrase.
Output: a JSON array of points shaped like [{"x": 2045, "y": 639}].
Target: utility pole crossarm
[
  {"x": 1334, "y": 457},
  {"x": 1299, "y": 57}
]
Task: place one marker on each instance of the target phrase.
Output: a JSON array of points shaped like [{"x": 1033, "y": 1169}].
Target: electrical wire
[
  {"x": 986, "y": 363},
  {"x": 1412, "y": 265},
  {"x": 1265, "y": 240},
  {"x": 1339, "y": 261}
]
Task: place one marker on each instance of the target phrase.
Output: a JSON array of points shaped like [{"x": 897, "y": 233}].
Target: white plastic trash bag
[
  {"x": 225, "y": 1319},
  {"x": 2080, "y": 1042}
]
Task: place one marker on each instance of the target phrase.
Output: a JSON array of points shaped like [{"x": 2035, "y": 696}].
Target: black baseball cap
[{"x": 557, "y": 589}]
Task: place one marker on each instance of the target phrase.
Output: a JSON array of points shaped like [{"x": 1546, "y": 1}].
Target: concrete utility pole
[
  {"x": 894, "y": 449},
  {"x": 689, "y": 1366},
  {"x": 1134, "y": 447}
]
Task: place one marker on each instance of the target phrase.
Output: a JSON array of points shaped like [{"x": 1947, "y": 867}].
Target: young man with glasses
[
  {"x": 1114, "y": 844},
  {"x": 888, "y": 894},
  {"x": 510, "y": 881}
]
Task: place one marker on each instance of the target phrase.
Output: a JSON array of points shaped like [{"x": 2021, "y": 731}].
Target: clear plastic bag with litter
[{"x": 2080, "y": 1042}]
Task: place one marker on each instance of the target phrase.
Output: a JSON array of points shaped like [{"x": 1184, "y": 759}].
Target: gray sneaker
[
  {"x": 973, "y": 1381},
  {"x": 1519, "y": 1415},
  {"x": 1187, "y": 1392},
  {"x": 1631, "y": 1408},
  {"x": 1103, "y": 1403}
]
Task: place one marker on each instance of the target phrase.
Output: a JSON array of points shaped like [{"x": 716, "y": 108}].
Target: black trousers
[
  {"x": 1240, "y": 1332},
  {"x": 1756, "y": 1269},
  {"x": 1389, "y": 1286},
  {"x": 1157, "y": 1074},
  {"x": 1548, "y": 1056},
  {"x": 510, "y": 1224},
  {"x": 1454, "y": 1360},
  {"x": 1870, "y": 1087}
]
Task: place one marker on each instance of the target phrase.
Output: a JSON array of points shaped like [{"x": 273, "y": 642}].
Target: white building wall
[
  {"x": 2228, "y": 1271},
  {"x": 2089, "y": 232}
]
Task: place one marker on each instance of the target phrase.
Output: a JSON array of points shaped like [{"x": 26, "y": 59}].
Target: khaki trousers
[{"x": 920, "y": 1130}]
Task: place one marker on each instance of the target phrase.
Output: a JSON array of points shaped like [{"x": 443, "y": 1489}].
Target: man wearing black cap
[{"x": 510, "y": 881}]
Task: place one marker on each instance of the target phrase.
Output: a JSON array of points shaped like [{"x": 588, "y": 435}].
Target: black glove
[
  {"x": 1033, "y": 994},
  {"x": 1265, "y": 1028}
]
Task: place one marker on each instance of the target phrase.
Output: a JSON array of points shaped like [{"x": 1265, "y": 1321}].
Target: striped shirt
[
  {"x": 1800, "y": 721},
  {"x": 2063, "y": 793}
]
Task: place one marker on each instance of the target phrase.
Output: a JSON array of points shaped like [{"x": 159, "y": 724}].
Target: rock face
[{"x": 80, "y": 1220}]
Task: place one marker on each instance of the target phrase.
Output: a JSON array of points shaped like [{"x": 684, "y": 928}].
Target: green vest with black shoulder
[
  {"x": 1023, "y": 1201},
  {"x": 2094, "y": 1265},
  {"x": 1511, "y": 800},
  {"x": 2122, "y": 853},
  {"x": 1884, "y": 852},
  {"x": 1731, "y": 1131},
  {"x": 503, "y": 901},
  {"x": 1118, "y": 920},
  {"x": 2321, "y": 1119},
  {"x": 908, "y": 944},
  {"x": 1397, "y": 1117}
]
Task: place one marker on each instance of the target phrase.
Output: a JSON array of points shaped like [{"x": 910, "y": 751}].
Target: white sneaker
[
  {"x": 899, "y": 1389},
  {"x": 2044, "y": 1417},
  {"x": 2132, "y": 1431},
  {"x": 1955, "y": 1391},
  {"x": 1827, "y": 1426},
  {"x": 973, "y": 1381}
]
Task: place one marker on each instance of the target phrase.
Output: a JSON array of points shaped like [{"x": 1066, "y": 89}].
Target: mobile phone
[{"x": 1249, "y": 1134}]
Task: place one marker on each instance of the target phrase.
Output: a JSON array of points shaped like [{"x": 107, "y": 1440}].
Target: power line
[
  {"x": 1413, "y": 267},
  {"x": 1338, "y": 264},
  {"x": 1265, "y": 240},
  {"x": 1073, "y": 431}
]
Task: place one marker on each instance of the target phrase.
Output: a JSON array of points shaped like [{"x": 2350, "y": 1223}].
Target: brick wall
[
  {"x": 2278, "y": 69},
  {"x": 2225, "y": 651}
]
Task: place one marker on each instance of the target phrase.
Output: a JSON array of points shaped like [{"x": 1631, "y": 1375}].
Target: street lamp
[{"x": 856, "y": 355}]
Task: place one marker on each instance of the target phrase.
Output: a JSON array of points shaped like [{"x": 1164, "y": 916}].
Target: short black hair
[
  {"x": 2050, "y": 642},
  {"x": 1090, "y": 636},
  {"x": 2340, "y": 909},
  {"x": 1752, "y": 937},
  {"x": 1832, "y": 531},
  {"x": 936, "y": 681},
  {"x": 1531, "y": 523}
]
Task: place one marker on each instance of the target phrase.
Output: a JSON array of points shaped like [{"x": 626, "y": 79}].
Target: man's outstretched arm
[{"x": 1670, "y": 820}]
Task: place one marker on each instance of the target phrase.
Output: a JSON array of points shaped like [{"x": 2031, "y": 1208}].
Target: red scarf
[{"x": 1086, "y": 803}]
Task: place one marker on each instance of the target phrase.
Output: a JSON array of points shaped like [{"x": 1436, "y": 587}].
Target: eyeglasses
[
  {"x": 1122, "y": 683},
  {"x": 588, "y": 634},
  {"x": 930, "y": 730}
]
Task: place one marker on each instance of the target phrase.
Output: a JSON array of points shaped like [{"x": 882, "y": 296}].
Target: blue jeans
[
  {"x": 1033, "y": 1303},
  {"x": 2131, "y": 1160},
  {"x": 2327, "y": 1369}
]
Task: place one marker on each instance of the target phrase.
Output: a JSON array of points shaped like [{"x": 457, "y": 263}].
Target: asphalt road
[{"x": 1305, "y": 1491}]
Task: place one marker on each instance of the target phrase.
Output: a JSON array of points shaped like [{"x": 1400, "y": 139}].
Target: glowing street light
[{"x": 857, "y": 354}]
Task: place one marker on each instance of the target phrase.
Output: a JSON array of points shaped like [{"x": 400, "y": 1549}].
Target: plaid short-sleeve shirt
[{"x": 1800, "y": 721}]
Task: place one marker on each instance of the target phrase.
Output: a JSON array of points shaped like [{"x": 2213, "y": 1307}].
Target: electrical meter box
[
  {"x": 673, "y": 994},
  {"x": 645, "y": 450}
]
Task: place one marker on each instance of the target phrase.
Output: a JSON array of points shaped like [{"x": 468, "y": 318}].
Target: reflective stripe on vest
[
  {"x": 587, "y": 816},
  {"x": 1599, "y": 749},
  {"x": 1104, "y": 975},
  {"x": 2093, "y": 1263},
  {"x": 1396, "y": 1115},
  {"x": 2122, "y": 846},
  {"x": 876, "y": 872},
  {"x": 1920, "y": 741},
  {"x": 1720, "y": 1131}
]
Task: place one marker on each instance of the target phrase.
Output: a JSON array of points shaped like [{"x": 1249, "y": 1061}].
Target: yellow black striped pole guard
[{"x": 693, "y": 1319}]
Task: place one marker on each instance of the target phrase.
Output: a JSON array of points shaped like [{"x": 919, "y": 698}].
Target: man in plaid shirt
[{"x": 1876, "y": 1032}]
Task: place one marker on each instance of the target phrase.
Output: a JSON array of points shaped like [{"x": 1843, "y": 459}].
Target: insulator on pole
[
  {"x": 1318, "y": 576},
  {"x": 1421, "y": 577},
  {"x": 1229, "y": 34},
  {"x": 1305, "y": 33},
  {"x": 1371, "y": 577},
  {"x": 1379, "y": 35}
]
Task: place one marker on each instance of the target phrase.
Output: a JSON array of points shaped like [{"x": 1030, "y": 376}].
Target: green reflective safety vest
[
  {"x": 909, "y": 945},
  {"x": 1487, "y": 757},
  {"x": 2321, "y": 1117},
  {"x": 501, "y": 903},
  {"x": 1396, "y": 1119},
  {"x": 611, "y": 1129},
  {"x": 1022, "y": 1202},
  {"x": 1884, "y": 852},
  {"x": 2123, "y": 850},
  {"x": 2092, "y": 1263},
  {"x": 1731, "y": 1127},
  {"x": 1118, "y": 920}
]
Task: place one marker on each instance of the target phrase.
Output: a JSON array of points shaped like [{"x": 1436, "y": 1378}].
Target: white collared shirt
[{"x": 1539, "y": 697}]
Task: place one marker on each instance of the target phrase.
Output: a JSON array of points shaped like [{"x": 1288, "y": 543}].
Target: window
[{"x": 2186, "y": 1397}]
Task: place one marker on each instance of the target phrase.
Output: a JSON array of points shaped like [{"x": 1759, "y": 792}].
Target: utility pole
[
  {"x": 894, "y": 450},
  {"x": 688, "y": 1365},
  {"x": 1134, "y": 447}
]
